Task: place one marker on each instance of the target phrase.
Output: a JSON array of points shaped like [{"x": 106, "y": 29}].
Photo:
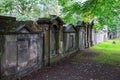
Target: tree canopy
[
  {"x": 103, "y": 12},
  {"x": 28, "y": 9}
]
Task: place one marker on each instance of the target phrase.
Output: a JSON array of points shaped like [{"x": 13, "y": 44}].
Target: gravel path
[{"x": 79, "y": 66}]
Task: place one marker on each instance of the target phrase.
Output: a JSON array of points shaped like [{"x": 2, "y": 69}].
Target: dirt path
[{"x": 77, "y": 67}]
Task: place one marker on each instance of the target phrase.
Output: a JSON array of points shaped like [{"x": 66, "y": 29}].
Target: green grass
[{"x": 108, "y": 53}]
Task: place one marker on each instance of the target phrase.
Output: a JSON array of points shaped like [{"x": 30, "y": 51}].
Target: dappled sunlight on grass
[{"x": 109, "y": 53}]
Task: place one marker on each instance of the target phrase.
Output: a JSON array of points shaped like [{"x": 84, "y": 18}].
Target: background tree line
[{"x": 104, "y": 12}]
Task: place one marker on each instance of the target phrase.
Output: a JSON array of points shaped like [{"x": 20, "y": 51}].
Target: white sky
[{"x": 81, "y": 0}]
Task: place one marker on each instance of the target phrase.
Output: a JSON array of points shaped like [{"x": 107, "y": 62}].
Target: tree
[
  {"x": 28, "y": 9},
  {"x": 103, "y": 11}
]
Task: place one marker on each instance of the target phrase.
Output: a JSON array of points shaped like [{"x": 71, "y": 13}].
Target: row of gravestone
[{"x": 29, "y": 45}]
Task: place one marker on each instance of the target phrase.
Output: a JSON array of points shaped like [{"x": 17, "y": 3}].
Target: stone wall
[{"x": 22, "y": 52}]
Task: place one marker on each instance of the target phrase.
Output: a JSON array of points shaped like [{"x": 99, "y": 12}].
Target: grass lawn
[{"x": 108, "y": 53}]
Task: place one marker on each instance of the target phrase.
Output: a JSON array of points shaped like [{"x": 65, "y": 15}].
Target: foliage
[
  {"x": 109, "y": 53},
  {"x": 105, "y": 12},
  {"x": 28, "y": 9},
  {"x": 70, "y": 11}
]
